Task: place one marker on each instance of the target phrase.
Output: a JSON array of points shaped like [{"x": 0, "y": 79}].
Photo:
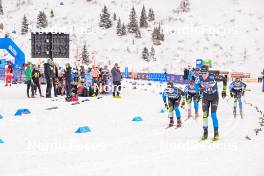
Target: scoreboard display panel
[{"x": 49, "y": 45}]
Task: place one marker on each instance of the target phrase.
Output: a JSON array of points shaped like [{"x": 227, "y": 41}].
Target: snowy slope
[
  {"x": 44, "y": 143},
  {"x": 218, "y": 29}
]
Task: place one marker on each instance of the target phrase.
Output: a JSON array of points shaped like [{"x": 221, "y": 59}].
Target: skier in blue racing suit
[
  {"x": 173, "y": 96},
  {"x": 192, "y": 95},
  {"x": 237, "y": 90},
  {"x": 194, "y": 74},
  {"x": 207, "y": 85}
]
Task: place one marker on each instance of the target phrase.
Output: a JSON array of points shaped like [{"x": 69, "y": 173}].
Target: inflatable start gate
[{"x": 10, "y": 46}]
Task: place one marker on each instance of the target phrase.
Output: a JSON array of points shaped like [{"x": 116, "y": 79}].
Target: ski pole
[{"x": 228, "y": 99}]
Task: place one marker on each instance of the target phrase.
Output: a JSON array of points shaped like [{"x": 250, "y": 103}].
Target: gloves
[
  {"x": 166, "y": 105},
  {"x": 183, "y": 104},
  {"x": 223, "y": 94},
  {"x": 231, "y": 94},
  {"x": 197, "y": 97}
]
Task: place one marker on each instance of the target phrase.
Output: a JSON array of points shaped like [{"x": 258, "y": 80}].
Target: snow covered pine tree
[
  {"x": 85, "y": 55},
  {"x": 105, "y": 21},
  {"x": 42, "y": 21},
  {"x": 24, "y": 28},
  {"x": 143, "y": 18},
  {"x": 145, "y": 54}
]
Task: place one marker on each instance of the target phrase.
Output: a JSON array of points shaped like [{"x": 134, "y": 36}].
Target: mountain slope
[{"x": 229, "y": 32}]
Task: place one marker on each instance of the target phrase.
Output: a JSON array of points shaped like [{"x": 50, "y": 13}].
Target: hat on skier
[
  {"x": 197, "y": 69},
  {"x": 204, "y": 69},
  {"x": 238, "y": 79},
  {"x": 170, "y": 84},
  {"x": 191, "y": 82}
]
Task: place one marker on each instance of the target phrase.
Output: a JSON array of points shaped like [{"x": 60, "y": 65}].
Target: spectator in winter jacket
[
  {"x": 75, "y": 76},
  {"x": 9, "y": 74},
  {"x": 30, "y": 85},
  {"x": 61, "y": 85},
  {"x": 68, "y": 79},
  {"x": 95, "y": 73},
  {"x": 48, "y": 75},
  {"x": 105, "y": 77},
  {"x": 35, "y": 77},
  {"x": 89, "y": 84},
  {"x": 55, "y": 77},
  {"x": 82, "y": 73},
  {"x": 116, "y": 77}
]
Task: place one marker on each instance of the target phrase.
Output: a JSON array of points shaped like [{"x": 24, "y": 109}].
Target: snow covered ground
[{"x": 43, "y": 143}]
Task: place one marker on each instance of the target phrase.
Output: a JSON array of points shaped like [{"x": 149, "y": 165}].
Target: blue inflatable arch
[{"x": 10, "y": 46}]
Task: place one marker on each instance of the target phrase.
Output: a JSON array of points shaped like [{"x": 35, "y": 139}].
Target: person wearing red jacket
[{"x": 9, "y": 75}]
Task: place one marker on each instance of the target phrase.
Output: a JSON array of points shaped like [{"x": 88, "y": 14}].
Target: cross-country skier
[
  {"x": 172, "y": 97},
  {"x": 194, "y": 74},
  {"x": 192, "y": 95},
  {"x": 237, "y": 90},
  {"x": 207, "y": 85}
]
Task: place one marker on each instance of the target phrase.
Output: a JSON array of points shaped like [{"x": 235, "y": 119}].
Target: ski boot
[
  {"x": 205, "y": 133},
  {"x": 241, "y": 114},
  {"x": 189, "y": 113},
  {"x": 196, "y": 115},
  {"x": 234, "y": 112},
  {"x": 179, "y": 123},
  {"x": 171, "y": 122},
  {"x": 216, "y": 135}
]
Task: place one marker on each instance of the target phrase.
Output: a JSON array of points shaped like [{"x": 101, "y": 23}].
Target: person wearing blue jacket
[
  {"x": 89, "y": 79},
  {"x": 172, "y": 97},
  {"x": 237, "y": 90},
  {"x": 206, "y": 84},
  {"x": 194, "y": 74},
  {"x": 89, "y": 84}
]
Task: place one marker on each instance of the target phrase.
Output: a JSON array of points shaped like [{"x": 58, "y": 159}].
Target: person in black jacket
[
  {"x": 35, "y": 77},
  {"x": 117, "y": 78},
  {"x": 68, "y": 79},
  {"x": 48, "y": 75},
  {"x": 55, "y": 76}
]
